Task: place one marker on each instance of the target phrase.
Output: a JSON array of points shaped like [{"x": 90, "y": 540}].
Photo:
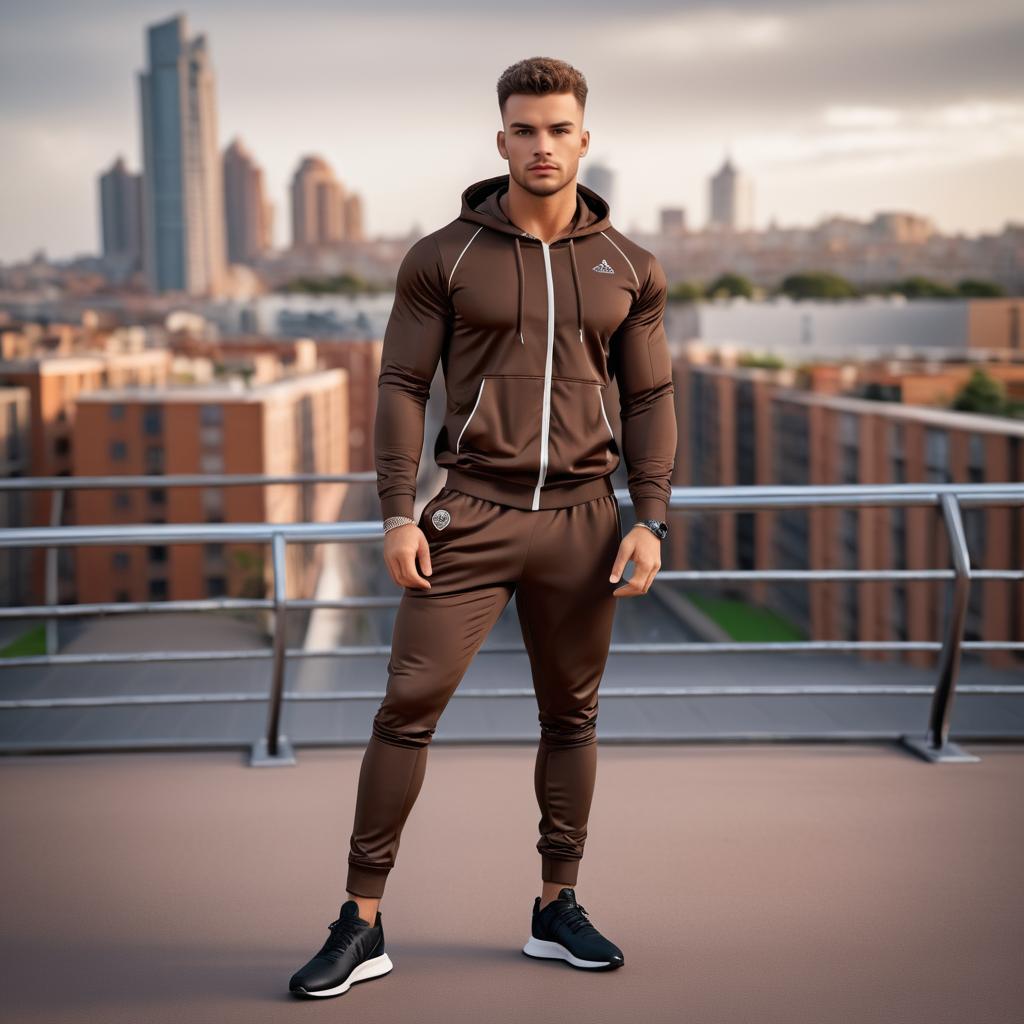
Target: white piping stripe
[
  {"x": 600, "y": 394},
  {"x": 626, "y": 258},
  {"x": 461, "y": 254},
  {"x": 483, "y": 380},
  {"x": 545, "y": 422}
]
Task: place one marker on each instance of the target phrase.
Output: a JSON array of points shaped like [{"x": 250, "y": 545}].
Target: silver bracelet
[{"x": 392, "y": 521}]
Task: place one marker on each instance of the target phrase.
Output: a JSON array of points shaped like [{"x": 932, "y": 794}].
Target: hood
[{"x": 480, "y": 206}]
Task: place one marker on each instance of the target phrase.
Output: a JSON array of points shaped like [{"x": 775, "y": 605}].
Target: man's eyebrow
[{"x": 526, "y": 124}]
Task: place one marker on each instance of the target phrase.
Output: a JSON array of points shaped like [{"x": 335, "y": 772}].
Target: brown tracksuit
[{"x": 529, "y": 335}]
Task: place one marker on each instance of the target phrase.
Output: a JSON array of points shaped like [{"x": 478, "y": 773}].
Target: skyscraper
[
  {"x": 318, "y": 204},
  {"x": 732, "y": 198},
  {"x": 599, "y": 177},
  {"x": 121, "y": 220},
  {"x": 247, "y": 211},
  {"x": 182, "y": 188}
]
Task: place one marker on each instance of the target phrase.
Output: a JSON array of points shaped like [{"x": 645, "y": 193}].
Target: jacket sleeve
[
  {"x": 643, "y": 368},
  {"x": 418, "y": 327}
]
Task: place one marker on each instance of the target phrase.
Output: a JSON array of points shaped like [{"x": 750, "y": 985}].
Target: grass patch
[
  {"x": 31, "y": 643},
  {"x": 745, "y": 622}
]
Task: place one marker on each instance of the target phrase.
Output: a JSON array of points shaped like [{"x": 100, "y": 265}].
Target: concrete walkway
[{"x": 826, "y": 884}]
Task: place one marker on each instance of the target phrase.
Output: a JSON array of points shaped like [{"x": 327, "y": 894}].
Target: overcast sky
[{"x": 832, "y": 107}]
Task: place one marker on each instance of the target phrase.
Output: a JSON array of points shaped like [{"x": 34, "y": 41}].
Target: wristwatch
[{"x": 659, "y": 529}]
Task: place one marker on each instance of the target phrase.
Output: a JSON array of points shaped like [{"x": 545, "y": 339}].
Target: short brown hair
[{"x": 538, "y": 76}]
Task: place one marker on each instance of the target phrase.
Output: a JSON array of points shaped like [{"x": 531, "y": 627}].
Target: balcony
[{"x": 780, "y": 831}]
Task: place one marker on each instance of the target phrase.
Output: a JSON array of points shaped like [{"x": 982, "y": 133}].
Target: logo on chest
[{"x": 603, "y": 268}]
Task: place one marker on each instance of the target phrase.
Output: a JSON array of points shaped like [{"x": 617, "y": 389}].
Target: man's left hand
[{"x": 643, "y": 548}]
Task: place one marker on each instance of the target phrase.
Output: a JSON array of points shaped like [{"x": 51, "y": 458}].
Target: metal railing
[{"x": 275, "y": 748}]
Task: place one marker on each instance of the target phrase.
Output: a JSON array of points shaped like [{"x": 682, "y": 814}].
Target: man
[{"x": 532, "y": 302}]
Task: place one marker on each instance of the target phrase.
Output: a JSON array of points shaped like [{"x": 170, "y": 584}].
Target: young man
[{"x": 532, "y": 302}]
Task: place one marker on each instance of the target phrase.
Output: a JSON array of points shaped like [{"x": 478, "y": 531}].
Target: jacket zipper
[
  {"x": 546, "y": 413},
  {"x": 483, "y": 380}
]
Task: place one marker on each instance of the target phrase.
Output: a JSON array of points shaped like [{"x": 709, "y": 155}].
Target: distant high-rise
[
  {"x": 601, "y": 178},
  {"x": 318, "y": 211},
  {"x": 182, "y": 190},
  {"x": 121, "y": 220},
  {"x": 732, "y": 199},
  {"x": 673, "y": 220},
  {"x": 354, "y": 229},
  {"x": 248, "y": 215}
]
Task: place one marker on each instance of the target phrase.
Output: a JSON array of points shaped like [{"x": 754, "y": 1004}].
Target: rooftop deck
[{"x": 822, "y": 883}]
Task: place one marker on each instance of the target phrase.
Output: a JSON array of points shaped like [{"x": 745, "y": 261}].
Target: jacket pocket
[
  {"x": 501, "y": 431},
  {"x": 581, "y": 441}
]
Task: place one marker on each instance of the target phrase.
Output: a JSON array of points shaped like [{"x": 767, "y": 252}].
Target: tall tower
[
  {"x": 121, "y": 220},
  {"x": 318, "y": 204},
  {"x": 732, "y": 198},
  {"x": 601, "y": 178},
  {"x": 247, "y": 212},
  {"x": 182, "y": 190}
]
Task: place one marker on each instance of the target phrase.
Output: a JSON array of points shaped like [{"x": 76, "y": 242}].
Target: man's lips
[{"x": 544, "y": 167}]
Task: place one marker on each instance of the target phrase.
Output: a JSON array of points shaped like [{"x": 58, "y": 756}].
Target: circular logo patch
[{"x": 441, "y": 518}]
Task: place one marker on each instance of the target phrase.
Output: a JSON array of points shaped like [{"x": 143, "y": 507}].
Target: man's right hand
[{"x": 402, "y": 546}]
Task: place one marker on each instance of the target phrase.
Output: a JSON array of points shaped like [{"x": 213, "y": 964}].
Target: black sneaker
[
  {"x": 354, "y": 952},
  {"x": 562, "y": 931}
]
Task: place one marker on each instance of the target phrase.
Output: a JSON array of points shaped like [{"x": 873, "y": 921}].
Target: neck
[{"x": 546, "y": 217}]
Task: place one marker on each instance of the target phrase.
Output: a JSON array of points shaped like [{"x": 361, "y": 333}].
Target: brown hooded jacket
[{"x": 529, "y": 335}]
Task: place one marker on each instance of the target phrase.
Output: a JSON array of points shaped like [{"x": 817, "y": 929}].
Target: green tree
[
  {"x": 728, "y": 285},
  {"x": 918, "y": 287},
  {"x": 982, "y": 393},
  {"x": 685, "y": 291},
  {"x": 974, "y": 288},
  {"x": 816, "y": 284}
]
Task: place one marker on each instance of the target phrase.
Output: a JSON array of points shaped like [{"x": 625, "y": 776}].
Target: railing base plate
[
  {"x": 948, "y": 752},
  {"x": 260, "y": 757}
]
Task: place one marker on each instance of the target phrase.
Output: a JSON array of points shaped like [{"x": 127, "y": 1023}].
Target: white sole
[
  {"x": 556, "y": 951},
  {"x": 367, "y": 969}
]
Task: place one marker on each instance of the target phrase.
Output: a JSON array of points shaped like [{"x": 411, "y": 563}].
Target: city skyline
[{"x": 886, "y": 120}]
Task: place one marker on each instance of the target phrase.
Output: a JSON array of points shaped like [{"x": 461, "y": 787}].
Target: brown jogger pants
[{"x": 557, "y": 562}]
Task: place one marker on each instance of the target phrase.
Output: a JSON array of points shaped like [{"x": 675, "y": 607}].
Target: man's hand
[
  {"x": 402, "y": 546},
  {"x": 644, "y": 549}
]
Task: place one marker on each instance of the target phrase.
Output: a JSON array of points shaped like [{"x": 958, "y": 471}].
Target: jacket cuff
[
  {"x": 397, "y": 505},
  {"x": 651, "y": 508}
]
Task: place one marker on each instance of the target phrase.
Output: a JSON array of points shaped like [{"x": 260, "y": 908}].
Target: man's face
[{"x": 542, "y": 130}]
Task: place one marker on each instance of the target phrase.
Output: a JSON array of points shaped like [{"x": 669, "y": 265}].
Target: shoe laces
[
  {"x": 343, "y": 931},
  {"x": 574, "y": 915}
]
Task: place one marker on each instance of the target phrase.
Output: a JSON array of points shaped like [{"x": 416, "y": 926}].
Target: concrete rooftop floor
[{"x": 744, "y": 883}]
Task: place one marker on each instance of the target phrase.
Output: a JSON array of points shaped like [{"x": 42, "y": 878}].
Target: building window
[
  {"x": 153, "y": 420},
  {"x": 115, "y": 411},
  {"x": 211, "y": 462},
  {"x": 121, "y": 560},
  {"x": 154, "y": 458},
  {"x": 158, "y": 590},
  {"x": 216, "y": 586},
  {"x": 157, "y": 554},
  {"x": 118, "y": 451},
  {"x": 936, "y": 448},
  {"x": 211, "y": 415},
  {"x": 122, "y": 499},
  {"x": 213, "y": 504},
  {"x": 157, "y": 496}
]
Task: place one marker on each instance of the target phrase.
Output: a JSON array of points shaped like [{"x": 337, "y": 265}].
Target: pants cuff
[
  {"x": 561, "y": 872},
  {"x": 365, "y": 881}
]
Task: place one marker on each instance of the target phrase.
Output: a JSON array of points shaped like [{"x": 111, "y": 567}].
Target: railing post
[
  {"x": 52, "y": 582},
  {"x": 275, "y": 749},
  {"x": 935, "y": 746}
]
